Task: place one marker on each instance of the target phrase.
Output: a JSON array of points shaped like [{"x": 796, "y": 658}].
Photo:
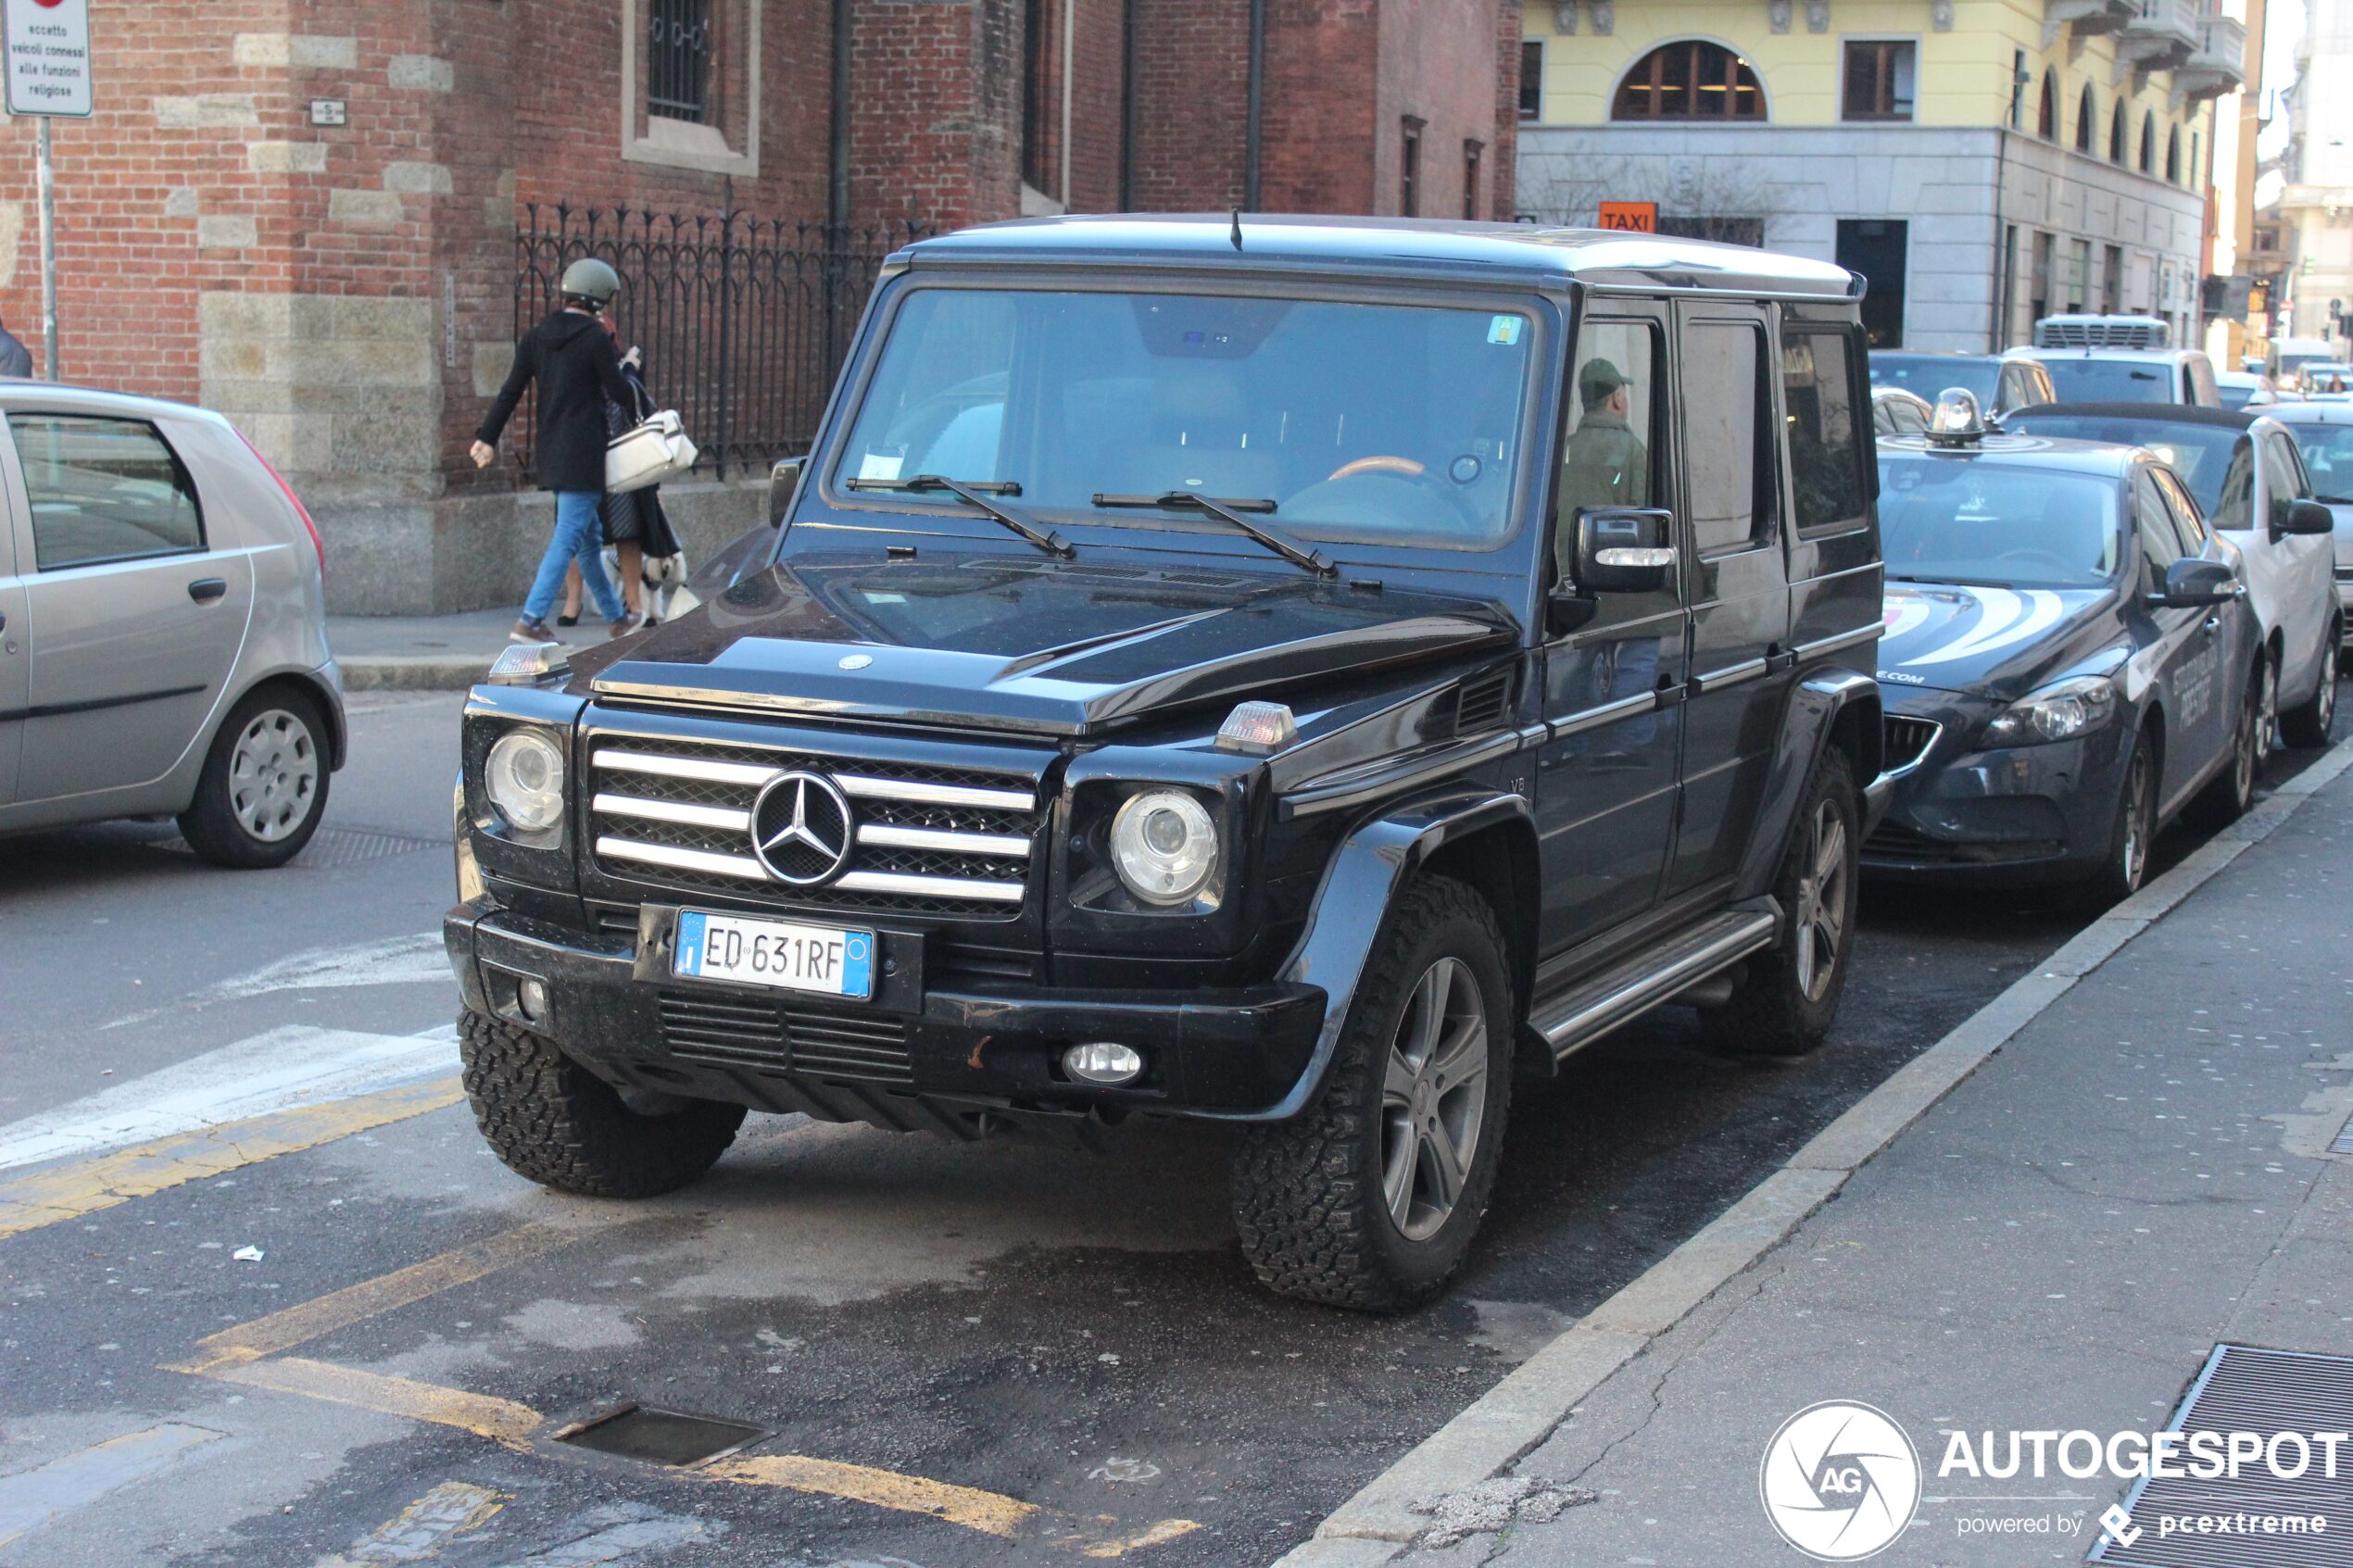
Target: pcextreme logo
[{"x": 1839, "y": 1481}]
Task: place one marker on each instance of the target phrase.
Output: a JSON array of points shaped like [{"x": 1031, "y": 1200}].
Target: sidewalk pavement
[
  {"x": 424, "y": 653},
  {"x": 2140, "y": 1172}
]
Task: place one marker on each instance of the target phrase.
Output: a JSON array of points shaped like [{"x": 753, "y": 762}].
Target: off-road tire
[
  {"x": 552, "y": 1121},
  {"x": 2125, "y": 867},
  {"x": 211, "y": 823},
  {"x": 1772, "y": 1013},
  {"x": 1307, "y": 1192},
  {"x": 2307, "y": 725},
  {"x": 2228, "y": 795}
]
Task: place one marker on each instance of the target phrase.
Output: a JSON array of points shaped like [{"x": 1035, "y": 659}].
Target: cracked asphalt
[{"x": 1054, "y": 1354}]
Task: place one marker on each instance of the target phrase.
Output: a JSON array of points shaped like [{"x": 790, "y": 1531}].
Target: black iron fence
[{"x": 744, "y": 321}]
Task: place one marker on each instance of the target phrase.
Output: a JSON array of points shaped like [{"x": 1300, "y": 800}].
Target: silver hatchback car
[{"x": 163, "y": 641}]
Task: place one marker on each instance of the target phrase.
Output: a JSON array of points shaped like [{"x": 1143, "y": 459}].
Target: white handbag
[{"x": 654, "y": 451}]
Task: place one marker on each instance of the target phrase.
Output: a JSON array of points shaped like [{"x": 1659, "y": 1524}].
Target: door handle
[
  {"x": 1778, "y": 659},
  {"x": 2213, "y": 624},
  {"x": 204, "y": 590},
  {"x": 1671, "y": 693}
]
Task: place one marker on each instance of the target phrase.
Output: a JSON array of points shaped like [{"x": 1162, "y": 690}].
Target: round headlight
[
  {"x": 1164, "y": 845},
  {"x": 525, "y": 778}
]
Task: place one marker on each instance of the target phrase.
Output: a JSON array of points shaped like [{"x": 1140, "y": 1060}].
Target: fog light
[
  {"x": 531, "y": 999},
  {"x": 1102, "y": 1062}
]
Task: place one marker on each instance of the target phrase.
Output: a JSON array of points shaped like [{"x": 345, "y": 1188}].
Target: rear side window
[
  {"x": 1725, "y": 413},
  {"x": 1825, "y": 440},
  {"x": 103, "y": 490},
  {"x": 2159, "y": 541},
  {"x": 2185, "y": 515},
  {"x": 2234, "y": 499},
  {"x": 2289, "y": 482}
]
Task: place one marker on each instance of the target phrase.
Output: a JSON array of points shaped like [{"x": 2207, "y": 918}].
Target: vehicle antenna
[{"x": 1237, "y": 228}]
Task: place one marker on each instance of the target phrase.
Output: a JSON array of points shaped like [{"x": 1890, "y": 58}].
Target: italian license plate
[{"x": 789, "y": 955}]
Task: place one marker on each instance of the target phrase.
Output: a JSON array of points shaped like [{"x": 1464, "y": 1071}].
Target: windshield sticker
[
  {"x": 879, "y": 465},
  {"x": 2007, "y": 617},
  {"x": 1505, "y": 328}
]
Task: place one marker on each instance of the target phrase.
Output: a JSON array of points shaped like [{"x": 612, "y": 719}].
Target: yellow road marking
[
  {"x": 502, "y": 1420},
  {"x": 989, "y": 1513},
  {"x": 341, "y": 1309},
  {"x": 68, "y": 1192},
  {"x": 420, "y": 1530},
  {"x": 1166, "y": 1530}
]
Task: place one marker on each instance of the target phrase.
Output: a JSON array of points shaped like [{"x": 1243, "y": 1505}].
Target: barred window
[{"x": 678, "y": 61}]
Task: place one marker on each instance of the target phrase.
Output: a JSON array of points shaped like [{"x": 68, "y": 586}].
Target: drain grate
[
  {"x": 660, "y": 1436},
  {"x": 2244, "y": 1390},
  {"x": 339, "y": 847}
]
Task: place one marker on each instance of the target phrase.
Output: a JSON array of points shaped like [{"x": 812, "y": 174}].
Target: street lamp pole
[{"x": 48, "y": 259}]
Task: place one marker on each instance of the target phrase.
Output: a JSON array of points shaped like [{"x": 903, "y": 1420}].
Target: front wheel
[
  {"x": 1370, "y": 1197},
  {"x": 553, "y": 1122},
  {"x": 1785, "y": 1003},
  {"x": 264, "y": 785},
  {"x": 2308, "y": 724},
  {"x": 2120, "y": 874}
]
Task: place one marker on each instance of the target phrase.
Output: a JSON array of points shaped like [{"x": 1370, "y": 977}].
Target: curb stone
[
  {"x": 1521, "y": 1412},
  {"x": 413, "y": 672}
]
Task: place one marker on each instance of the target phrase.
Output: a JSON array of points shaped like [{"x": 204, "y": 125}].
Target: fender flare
[
  {"x": 1361, "y": 878},
  {"x": 1815, "y": 704}
]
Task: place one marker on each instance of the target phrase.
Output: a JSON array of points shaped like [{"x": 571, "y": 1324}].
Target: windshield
[
  {"x": 1979, "y": 521},
  {"x": 2202, "y": 455},
  {"x": 2111, "y": 381},
  {"x": 1376, "y": 423},
  {"x": 2328, "y": 455},
  {"x": 2236, "y": 393},
  {"x": 1928, "y": 374}
]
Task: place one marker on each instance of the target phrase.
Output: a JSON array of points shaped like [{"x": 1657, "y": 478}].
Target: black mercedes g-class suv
[{"x": 1302, "y": 672}]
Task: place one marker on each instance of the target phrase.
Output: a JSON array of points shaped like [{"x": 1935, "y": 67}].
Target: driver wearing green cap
[{"x": 1605, "y": 463}]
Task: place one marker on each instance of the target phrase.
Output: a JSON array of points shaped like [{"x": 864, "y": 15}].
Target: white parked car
[
  {"x": 2245, "y": 473},
  {"x": 2324, "y": 435},
  {"x": 163, "y": 640}
]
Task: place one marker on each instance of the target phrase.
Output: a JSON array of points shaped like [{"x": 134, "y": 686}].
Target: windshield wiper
[
  {"x": 977, "y": 493},
  {"x": 1230, "y": 512},
  {"x": 2334, "y": 500}
]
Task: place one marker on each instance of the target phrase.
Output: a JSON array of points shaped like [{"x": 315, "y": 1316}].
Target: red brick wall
[
  {"x": 936, "y": 115},
  {"x": 1319, "y": 120},
  {"x": 1438, "y": 63},
  {"x": 1192, "y": 79},
  {"x": 1503, "y": 158}
]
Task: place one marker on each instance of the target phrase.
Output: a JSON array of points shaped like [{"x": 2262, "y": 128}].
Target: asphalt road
[{"x": 951, "y": 1355}]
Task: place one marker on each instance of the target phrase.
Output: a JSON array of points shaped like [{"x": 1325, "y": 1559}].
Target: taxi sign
[
  {"x": 1630, "y": 217},
  {"x": 48, "y": 55}
]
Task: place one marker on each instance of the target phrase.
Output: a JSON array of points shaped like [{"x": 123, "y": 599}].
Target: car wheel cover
[
  {"x": 2325, "y": 710},
  {"x": 2249, "y": 747},
  {"x": 2267, "y": 733},
  {"x": 1821, "y": 902},
  {"x": 1433, "y": 1099},
  {"x": 273, "y": 776}
]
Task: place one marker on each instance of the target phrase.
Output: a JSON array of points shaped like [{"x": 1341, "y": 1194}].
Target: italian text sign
[{"x": 48, "y": 43}]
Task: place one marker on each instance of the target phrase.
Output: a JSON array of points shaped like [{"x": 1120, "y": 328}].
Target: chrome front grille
[{"x": 926, "y": 840}]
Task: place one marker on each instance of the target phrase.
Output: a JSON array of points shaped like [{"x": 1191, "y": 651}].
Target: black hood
[
  {"x": 994, "y": 641},
  {"x": 1999, "y": 641},
  {"x": 565, "y": 325}
]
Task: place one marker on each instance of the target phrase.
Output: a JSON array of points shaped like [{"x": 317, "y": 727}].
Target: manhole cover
[
  {"x": 660, "y": 1436},
  {"x": 2262, "y": 1392},
  {"x": 339, "y": 847}
]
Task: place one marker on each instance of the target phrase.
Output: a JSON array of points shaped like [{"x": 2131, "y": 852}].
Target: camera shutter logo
[
  {"x": 1839, "y": 1481},
  {"x": 801, "y": 829}
]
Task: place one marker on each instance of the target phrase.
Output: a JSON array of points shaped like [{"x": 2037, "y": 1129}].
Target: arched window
[
  {"x": 2148, "y": 143},
  {"x": 2087, "y": 115},
  {"x": 2173, "y": 155},
  {"x": 2115, "y": 135},
  {"x": 2046, "y": 112},
  {"x": 1689, "y": 79}
]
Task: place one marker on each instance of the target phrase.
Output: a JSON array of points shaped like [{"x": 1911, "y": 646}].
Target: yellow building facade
[{"x": 1981, "y": 161}]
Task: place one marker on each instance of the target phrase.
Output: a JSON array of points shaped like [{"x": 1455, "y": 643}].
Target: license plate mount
[{"x": 780, "y": 955}]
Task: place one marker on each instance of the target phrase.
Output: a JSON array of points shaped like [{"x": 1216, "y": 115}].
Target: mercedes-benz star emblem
[{"x": 801, "y": 829}]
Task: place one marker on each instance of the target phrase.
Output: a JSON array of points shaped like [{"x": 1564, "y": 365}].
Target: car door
[
  {"x": 134, "y": 619},
  {"x": 2307, "y": 563},
  {"x": 1605, "y": 789},
  {"x": 2182, "y": 656},
  {"x": 16, "y": 667},
  {"x": 1739, "y": 581}
]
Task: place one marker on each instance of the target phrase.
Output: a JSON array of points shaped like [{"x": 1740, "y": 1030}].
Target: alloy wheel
[
  {"x": 2249, "y": 757},
  {"x": 273, "y": 775},
  {"x": 1433, "y": 1099},
  {"x": 2267, "y": 732},
  {"x": 2137, "y": 815},
  {"x": 1821, "y": 901},
  {"x": 2327, "y": 711}
]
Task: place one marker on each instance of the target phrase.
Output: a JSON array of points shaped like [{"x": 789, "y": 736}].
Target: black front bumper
[
  {"x": 2016, "y": 816},
  {"x": 912, "y": 1058}
]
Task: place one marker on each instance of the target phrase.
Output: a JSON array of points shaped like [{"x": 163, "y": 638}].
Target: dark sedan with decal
[{"x": 2067, "y": 661}]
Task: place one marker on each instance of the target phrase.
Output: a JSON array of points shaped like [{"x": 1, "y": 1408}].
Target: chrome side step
[{"x": 1624, "y": 992}]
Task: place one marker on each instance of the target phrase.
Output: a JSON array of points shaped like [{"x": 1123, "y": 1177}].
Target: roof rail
[{"x": 2102, "y": 332}]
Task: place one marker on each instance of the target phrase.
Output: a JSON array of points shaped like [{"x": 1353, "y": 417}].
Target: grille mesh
[
  {"x": 728, "y": 1031},
  {"x": 1909, "y": 740}
]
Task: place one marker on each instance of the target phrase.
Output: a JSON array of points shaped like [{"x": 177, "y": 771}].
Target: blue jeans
[{"x": 580, "y": 536}]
